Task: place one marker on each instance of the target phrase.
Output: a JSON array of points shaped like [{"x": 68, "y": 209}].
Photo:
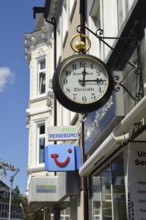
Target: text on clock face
[
  {"x": 83, "y": 77},
  {"x": 82, "y": 83}
]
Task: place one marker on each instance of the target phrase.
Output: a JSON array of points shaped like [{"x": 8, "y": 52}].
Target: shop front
[
  {"x": 118, "y": 187},
  {"x": 109, "y": 191},
  {"x": 116, "y": 164}
]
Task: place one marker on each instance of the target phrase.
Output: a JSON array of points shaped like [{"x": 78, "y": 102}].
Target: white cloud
[{"x": 6, "y": 76}]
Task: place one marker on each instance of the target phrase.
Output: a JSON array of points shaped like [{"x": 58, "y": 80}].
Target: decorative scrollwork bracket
[
  {"x": 98, "y": 34},
  {"x": 135, "y": 67}
]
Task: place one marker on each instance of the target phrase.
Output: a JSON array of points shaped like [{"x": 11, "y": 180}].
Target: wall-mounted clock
[{"x": 82, "y": 83}]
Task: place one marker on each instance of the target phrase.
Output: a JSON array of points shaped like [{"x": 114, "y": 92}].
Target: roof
[{"x": 2, "y": 184}]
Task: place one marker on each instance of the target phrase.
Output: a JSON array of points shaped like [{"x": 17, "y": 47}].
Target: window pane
[
  {"x": 119, "y": 197},
  {"x": 96, "y": 197},
  {"x": 106, "y": 194},
  {"x": 41, "y": 147},
  {"x": 42, "y": 82},
  {"x": 42, "y": 129},
  {"x": 42, "y": 64}
]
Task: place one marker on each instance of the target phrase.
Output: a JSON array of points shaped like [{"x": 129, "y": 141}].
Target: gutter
[
  {"x": 47, "y": 8},
  {"x": 120, "y": 133}
]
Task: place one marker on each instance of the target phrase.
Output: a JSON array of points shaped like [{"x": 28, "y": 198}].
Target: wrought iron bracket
[
  {"x": 98, "y": 34},
  {"x": 138, "y": 95},
  {"x": 135, "y": 67}
]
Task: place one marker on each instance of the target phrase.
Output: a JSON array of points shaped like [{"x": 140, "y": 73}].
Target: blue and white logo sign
[{"x": 62, "y": 157}]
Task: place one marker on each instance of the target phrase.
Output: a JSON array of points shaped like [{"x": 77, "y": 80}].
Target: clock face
[
  {"x": 82, "y": 83},
  {"x": 84, "y": 80}
]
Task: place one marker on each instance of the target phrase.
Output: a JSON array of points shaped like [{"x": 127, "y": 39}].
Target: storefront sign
[
  {"x": 46, "y": 189},
  {"x": 59, "y": 133},
  {"x": 97, "y": 121},
  {"x": 62, "y": 157},
  {"x": 137, "y": 181}
]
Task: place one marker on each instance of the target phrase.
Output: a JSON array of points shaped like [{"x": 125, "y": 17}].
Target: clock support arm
[
  {"x": 136, "y": 66},
  {"x": 98, "y": 34}
]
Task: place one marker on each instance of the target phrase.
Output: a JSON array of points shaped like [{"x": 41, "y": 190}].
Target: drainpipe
[
  {"x": 53, "y": 22},
  {"x": 120, "y": 133},
  {"x": 55, "y": 64},
  {"x": 84, "y": 178}
]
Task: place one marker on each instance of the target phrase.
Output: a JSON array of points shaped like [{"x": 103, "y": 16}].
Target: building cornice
[{"x": 34, "y": 39}]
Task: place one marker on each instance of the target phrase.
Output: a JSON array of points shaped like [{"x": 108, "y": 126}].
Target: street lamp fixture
[{"x": 11, "y": 184}]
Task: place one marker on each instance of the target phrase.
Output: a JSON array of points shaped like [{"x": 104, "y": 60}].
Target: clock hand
[
  {"x": 99, "y": 81},
  {"x": 82, "y": 82}
]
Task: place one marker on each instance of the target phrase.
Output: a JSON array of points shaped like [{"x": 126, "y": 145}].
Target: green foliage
[{"x": 16, "y": 199}]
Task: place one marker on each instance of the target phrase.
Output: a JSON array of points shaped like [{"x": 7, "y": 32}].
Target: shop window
[
  {"x": 96, "y": 198},
  {"x": 108, "y": 192},
  {"x": 106, "y": 197},
  {"x": 118, "y": 184}
]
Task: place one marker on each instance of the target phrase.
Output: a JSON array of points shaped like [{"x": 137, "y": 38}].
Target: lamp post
[{"x": 10, "y": 197}]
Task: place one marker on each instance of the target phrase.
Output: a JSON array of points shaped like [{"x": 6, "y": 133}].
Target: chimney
[{"x": 37, "y": 13}]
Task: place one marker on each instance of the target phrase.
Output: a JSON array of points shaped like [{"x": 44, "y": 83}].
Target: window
[
  {"x": 41, "y": 142},
  {"x": 95, "y": 23},
  {"x": 42, "y": 77},
  {"x": 72, "y": 6},
  {"x": 130, "y": 3},
  {"x": 95, "y": 13},
  {"x": 59, "y": 41},
  {"x": 64, "y": 22},
  {"x": 120, "y": 12},
  {"x": 106, "y": 194},
  {"x": 118, "y": 184},
  {"x": 96, "y": 197},
  {"x": 123, "y": 7},
  {"x": 108, "y": 189}
]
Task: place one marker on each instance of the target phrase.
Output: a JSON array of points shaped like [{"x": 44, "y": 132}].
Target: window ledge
[{"x": 37, "y": 99}]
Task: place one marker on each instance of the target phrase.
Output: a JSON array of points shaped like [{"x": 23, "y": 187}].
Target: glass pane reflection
[
  {"x": 96, "y": 198},
  {"x": 106, "y": 194},
  {"x": 119, "y": 197},
  {"x": 108, "y": 187}
]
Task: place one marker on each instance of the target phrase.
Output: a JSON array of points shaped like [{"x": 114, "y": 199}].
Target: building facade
[
  {"x": 16, "y": 210},
  {"x": 112, "y": 139}
]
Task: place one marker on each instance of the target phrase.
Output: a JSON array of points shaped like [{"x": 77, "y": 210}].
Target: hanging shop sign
[
  {"x": 62, "y": 157},
  {"x": 136, "y": 181},
  {"x": 104, "y": 119},
  {"x": 62, "y": 133}
]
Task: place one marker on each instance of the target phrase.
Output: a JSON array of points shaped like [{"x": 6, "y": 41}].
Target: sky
[{"x": 16, "y": 19}]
